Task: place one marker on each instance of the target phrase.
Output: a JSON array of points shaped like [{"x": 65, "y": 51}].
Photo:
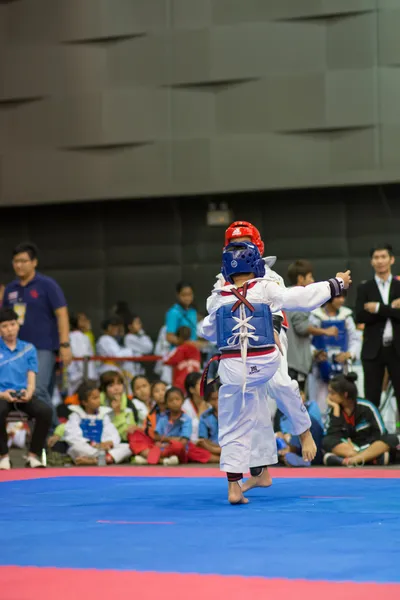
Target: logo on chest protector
[{"x": 254, "y": 370}]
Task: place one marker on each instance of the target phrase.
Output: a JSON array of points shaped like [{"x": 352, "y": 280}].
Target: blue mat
[{"x": 321, "y": 529}]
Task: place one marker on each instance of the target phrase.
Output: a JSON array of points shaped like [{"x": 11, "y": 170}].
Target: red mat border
[
  {"x": 193, "y": 472},
  {"x": 47, "y": 583}
]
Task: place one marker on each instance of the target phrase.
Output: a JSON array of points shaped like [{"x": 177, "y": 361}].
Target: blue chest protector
[
  {"x": 332, "y": 346},
  {"x": 258, "y": 330},
  {"x": 92, "y": 429}
]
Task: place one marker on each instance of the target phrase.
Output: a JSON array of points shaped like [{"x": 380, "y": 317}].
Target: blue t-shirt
[
  {"x": 182, "y": 427},
  {"x": 35, "y": 304},
  {"x": 177, "y": 316},
  {"x": 15, "y": 364},
  {"x": 315, "y": 415},
  {"x": 208, "y": 426}
]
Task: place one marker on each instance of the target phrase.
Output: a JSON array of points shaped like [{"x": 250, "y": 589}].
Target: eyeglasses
[{"x": 21, "y": 261}]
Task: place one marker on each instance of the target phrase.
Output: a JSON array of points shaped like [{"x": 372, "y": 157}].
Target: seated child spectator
[
  {"x": 175, "y": 427},
  {"x": 138, "y": 342},
  {"x": 184, "y": 359},
  {"x": 80, "y": 347},
  {"x": 289, "y": 446},
  {"x": 89, "y": 430},
  {"x": 208, "y": 425},
  {"x": 195, "y": 404},
  {"x": 163, "y": 348},
  {"x": 85, "y": 326},
  {"x": 124, "y": 414},
  {"x": 158, "y": 391},
  {"x": 356, "y": 434},
  {"x": 146, "y": 445},
  {"x": 141, "y": 391},
  {"x": 108, "y": 345}
]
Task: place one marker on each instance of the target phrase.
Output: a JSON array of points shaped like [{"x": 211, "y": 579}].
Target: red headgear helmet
[{"x": 240, "y": 229}]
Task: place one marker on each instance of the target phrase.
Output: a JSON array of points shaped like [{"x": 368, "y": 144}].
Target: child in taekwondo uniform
[{"x": 240, "y": 323}]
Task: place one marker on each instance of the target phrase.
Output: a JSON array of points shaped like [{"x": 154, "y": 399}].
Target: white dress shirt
[{"x": 384, "y": 290}]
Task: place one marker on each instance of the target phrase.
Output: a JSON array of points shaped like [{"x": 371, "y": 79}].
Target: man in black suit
[{"x": 375, "y": 307}]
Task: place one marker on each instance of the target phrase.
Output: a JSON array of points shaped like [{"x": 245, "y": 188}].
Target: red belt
[{"x": 237, "y": 353}]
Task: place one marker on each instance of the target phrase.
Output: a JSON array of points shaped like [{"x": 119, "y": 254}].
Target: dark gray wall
[
  {"x": 137, "y": 250},
  {"x": 130, "y": 98}
]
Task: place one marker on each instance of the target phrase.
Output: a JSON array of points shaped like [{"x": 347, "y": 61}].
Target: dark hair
[
  {"x": 8, "y": 314},
  {"x": 109, "y": 377},
  {"x": 85, "y": 389},
  {"x": 182, "y": 285},
  {"x": 111, "y": 321},
  {"x": 184, "y": 333},
  {"x": 73, "y": 322},
  {"x": 387, "y": 247},
  {"x": 298, "y": 268},
  {"x": 345, "y": 384},
  {"x": 157, "y": 382},
  {"x": 211, "y": 387},
  {"x": 135, "y": 379},
  {"x": 191, "y": 381},
  {"x": 27, "y": 247},
  {"x": 174, "y": 389}
]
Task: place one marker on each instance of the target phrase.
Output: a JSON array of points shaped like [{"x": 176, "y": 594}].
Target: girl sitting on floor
[
  {"x": 356, "y": 434},
  {"x": 89, "y": 430}
]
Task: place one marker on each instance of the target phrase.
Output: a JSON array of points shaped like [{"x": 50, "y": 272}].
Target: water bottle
[{"x": 101, "y": 461}]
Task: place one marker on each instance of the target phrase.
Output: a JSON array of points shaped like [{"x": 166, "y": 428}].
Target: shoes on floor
[
  {"x": 32, "y": 462},
  {"x": 331, "y": 460},
  {"x": 382, "y": 460},
  {"x": 5, "y": 464},
  {"x": 139, "y": 460},
  {"x": 172, "y": 461}
]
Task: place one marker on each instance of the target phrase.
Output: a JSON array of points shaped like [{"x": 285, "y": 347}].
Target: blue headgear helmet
[{"x": 241, "y": 257}]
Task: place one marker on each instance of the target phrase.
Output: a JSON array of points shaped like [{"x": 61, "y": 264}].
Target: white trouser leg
[
  {"x": 238, "y": 412},
  {"x": 263, "y": 443},
  {"x": 82, "y": 449},
  {"x": 285, "y": 391},
  {"x": 120, "y": 453}
]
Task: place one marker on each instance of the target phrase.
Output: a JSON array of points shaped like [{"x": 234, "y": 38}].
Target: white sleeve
[
  {"x": 79, "y": 349},
  {"x": 107, "y": 346},
  {"x": 220, "y": 282},
  {"x": 142, "y": 410},
  {"x": 110, "y": 433},
  {"x": 297, "y": 298},
  {"x": 209, "y": 328},
  {"x": 139, "y": 344},
  {"x": 354, "y": 340},
  {"x": 73, "y": 432}
]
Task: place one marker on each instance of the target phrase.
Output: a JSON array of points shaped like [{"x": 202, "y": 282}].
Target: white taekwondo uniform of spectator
[
  {"x": 139, "y": 344},
  {"x": 82, "y": 428},
  {"x": 80, "y": 348},
  {"x": 163, "y": 347},
  {"x": 249, "y": 356},
  {"x": 107, "y": 345}
]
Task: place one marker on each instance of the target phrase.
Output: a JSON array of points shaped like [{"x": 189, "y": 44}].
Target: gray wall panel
[{"x": 133, "y": 98}]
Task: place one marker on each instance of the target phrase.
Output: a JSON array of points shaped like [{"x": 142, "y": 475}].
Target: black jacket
[
  {"x": 375, "y": 323},
  {"x": 366, "y": 426}
]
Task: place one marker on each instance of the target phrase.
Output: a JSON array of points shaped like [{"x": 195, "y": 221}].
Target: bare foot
[
  {"x": 235, "y": 495},
  {"x": 308, "y": 447},
  {"x": 263, "y": 481},
  {"x": 85, "y": 461}
]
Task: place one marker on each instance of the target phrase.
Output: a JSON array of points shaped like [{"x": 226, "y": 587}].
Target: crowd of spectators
[{"x": 123, "y": 408}]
